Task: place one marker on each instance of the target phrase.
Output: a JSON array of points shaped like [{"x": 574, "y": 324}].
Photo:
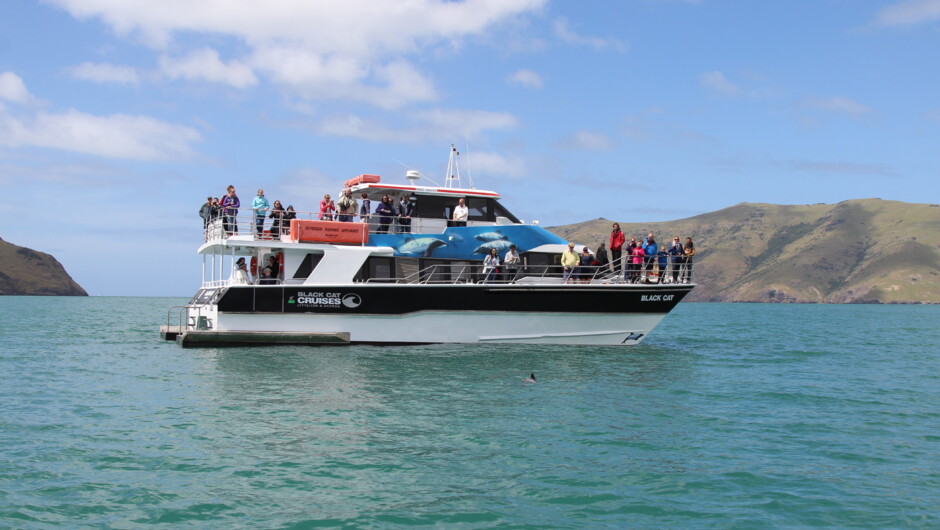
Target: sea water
[{"x": 729, "y": 415}]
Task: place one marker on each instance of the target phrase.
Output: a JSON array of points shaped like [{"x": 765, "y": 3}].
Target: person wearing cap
[
  {"x": 511, "y": 263},
  {"x": 569, "y": 261},
  {"x": 241, "y": 276},
  {"x": 677, "y": 257},
  {"x": 208, "y": 212}
]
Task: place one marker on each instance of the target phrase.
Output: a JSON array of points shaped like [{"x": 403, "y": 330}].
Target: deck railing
[
  {"x": 246, "y": 224},
  {"x": 540, "y": 274}
]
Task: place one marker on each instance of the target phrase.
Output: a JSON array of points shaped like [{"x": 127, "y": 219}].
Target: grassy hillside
[
  {"x": 27, "y": 272},
  {"x": 865, "y": 250}
]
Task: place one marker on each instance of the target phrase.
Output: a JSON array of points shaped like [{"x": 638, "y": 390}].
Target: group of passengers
[
  {"x": 643, "y": 261},
  {"x": 344, "y": 210},
  {"x": 268, "y": 276},
  {"x": 672, "y": 263},
  {"x": 227, "y": 208}
]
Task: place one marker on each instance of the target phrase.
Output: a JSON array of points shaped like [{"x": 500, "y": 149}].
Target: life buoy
[
  {"x": 254, "y": 266},
  {"x": 280, "y": 265}
]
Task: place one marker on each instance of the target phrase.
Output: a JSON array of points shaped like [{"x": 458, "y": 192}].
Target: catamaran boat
[{"x": 361, "y": 282}]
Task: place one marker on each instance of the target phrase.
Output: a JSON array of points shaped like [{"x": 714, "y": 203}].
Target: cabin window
[{"x": 376, "y": 268}]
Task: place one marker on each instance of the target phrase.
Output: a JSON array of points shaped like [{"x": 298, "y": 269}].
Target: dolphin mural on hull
[
  {"x": 422, "y": 246},
  {"x": 500, "y": 245}
]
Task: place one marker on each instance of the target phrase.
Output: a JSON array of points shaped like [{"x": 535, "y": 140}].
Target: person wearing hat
[
  {"x": 569, "y": 262},
  {"x": 241, "y": 276}
]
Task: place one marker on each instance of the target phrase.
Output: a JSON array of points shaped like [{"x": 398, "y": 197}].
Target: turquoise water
[{"x": 730, "y": 415}]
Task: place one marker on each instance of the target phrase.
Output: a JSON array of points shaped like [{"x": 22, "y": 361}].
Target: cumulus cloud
[
  {"x": 497, "y": 165},
  {"x": 354, "y": 50},
  {"x": 564, "y": 32},
  {"x": 838, "y": 105},
  {"x": 424, "y": 126},
  {"x": 527, "y": 79},
  {"x": 13, "y": 89},
  {"x": 105, "y": 73},
  {"x": 909, "y": 13},
  {"x": 586, "y": 141},
  {"x": 115, "y": 136},
  {"x": 717, "y": 82},
  {"x": 205, "y": 65}
]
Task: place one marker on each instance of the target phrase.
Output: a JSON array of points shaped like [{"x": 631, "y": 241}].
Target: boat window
[
  {"x": 376, "y": 268},
  {"x": 307, "y": 265},
  {"x": 498, "y": 210},
  {"x": 434, "y": 206},
  {"x": 479, "y": 209}
]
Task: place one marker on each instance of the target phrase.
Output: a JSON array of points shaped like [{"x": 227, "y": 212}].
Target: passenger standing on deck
[
  {"x": 260, "y": 205},
  {"x": 601, "y": 257},
  {"x": 277, "y": 214},
  {"x": 461, "y": 213},
  {"x": 385, "y": 210},
  {"x": 327, "y": 208},
  {"x": 406, "y": 209},
  {"x": 663, "y": 257},
  {"x": 635, "y": 265},
  {"x": 347, "y": 206},
  {"x": 586, "y": 266},
  {"x": 677, "y": 256},
  {"x": 289, "y": 214},
  {"x": 569, "y": 262},
  {"x": 366, "y": 209},
  {"x": 511, "y": 263},
  {"x": 650, "y": 248},
  {"x": 491, "y": 266},
  {"x": 687, "y": 269},
  {"x": 616, "y": 247},
  {"x": 230, "y": 205},
  {"x": 206, "y": 213}
]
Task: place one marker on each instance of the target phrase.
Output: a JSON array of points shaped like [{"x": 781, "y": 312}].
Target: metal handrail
[{"x": 453, "y": 274}]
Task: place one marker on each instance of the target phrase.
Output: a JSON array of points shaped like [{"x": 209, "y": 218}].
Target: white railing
[
  {"x": 246, "y": 224},
  {"x": 537, "y": 274}
]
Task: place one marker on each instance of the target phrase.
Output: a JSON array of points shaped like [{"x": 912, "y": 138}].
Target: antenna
[{"x": 469, "y": 174}]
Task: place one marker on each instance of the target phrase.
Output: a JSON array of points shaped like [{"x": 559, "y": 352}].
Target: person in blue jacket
[
  {"x": 261, "y": 206},
  {"x": 663, "y": 257},
  {"x": 650, "y": 249}
]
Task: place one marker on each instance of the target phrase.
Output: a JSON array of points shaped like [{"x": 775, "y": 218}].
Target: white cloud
[
  {"x": 719, "y": 83},
  {"x": 116, "y": 136},
  {"x": 205, "y": 65},
  {"x": 352, "y": 50},
  {"x": 909, "y": 13},
  {"x": 105, "y": 73},
  {"x": 527, "y": 79},
  {"x": 586, "y": 141},
  {"x": 495, "y": 165},
  {"x": 838, "y": 105},
  {"x": 425, "y": 126},
  {"x": 566, "y": 34},
  {"x": 13, "y": 89}
]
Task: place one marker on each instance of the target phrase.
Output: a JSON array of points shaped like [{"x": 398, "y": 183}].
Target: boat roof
[{"x": 424, "y": 190}]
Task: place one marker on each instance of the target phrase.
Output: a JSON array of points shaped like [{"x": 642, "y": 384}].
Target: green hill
[
  {"x": 858, "y": 251},
  {"x": 26, "y": 272}
]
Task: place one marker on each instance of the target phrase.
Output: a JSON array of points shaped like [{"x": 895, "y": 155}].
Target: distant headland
[
  {"x": 25, "y": 271},
  {"x": 856, "y": 251}
]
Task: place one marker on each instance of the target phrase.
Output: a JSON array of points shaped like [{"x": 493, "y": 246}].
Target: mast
[{"x": 452, "y": 179}]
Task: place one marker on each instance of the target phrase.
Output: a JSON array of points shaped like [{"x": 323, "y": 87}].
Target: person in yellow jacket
[{"x": 569, "y": 261}]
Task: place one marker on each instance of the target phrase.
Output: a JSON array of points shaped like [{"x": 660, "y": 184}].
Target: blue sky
[{"x": 118, "y": 117}]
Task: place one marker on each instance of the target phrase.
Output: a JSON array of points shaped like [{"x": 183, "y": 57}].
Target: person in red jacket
[{"x": 616, "y": 245}]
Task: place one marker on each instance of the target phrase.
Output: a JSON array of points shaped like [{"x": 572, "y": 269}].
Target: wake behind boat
[{"x": 372, "y": 280}]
